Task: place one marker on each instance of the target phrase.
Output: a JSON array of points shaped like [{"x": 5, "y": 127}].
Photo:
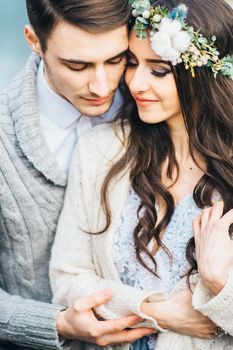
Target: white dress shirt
[{"x": 61, "y": 123}]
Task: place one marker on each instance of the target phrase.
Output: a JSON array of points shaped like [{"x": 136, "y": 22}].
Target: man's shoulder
[
  {"x": 5, "y": 103},
  {"x": 14, "y": 88},
  {"x": 19, "y": 90}
]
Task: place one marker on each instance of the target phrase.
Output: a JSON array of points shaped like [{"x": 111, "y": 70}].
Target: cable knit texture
[
  {"x": 82, "y": 262},
  {"x": 31, "y": 195}
]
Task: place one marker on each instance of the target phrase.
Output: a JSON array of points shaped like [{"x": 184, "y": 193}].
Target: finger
[
  {"x": 205, "y": 216},
  {"x": 92, "y": 301},
  {"x": 135, "y": 334},
  {"x": 197, "y": 234},
  {"x": 227, "y": 220},
  {"x": 216, "y": 213},
  {"x": 209, "y": 336},
  {"x": 111, "y": 326},
  {"x": 128, "y": 336}
]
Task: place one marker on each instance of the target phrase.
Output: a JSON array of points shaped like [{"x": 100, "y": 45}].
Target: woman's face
[{"x": 151, "y": 83}]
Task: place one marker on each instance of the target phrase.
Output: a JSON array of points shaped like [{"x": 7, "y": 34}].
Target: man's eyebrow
[
  {"x": 123, "y": 53},
  {"x": 74, "y": 61}
]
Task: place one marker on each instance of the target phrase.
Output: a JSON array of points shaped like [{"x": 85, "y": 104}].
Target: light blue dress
[{"x": 175, "y": 238}]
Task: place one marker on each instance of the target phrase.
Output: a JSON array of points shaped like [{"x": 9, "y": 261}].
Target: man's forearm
[{"x": 28, "y": 322}]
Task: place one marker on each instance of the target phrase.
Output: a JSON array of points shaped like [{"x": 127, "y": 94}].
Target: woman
[{"x": 127, "y": 220}]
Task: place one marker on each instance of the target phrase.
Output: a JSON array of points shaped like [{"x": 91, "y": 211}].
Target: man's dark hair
[{"x": 94, "y": 16}]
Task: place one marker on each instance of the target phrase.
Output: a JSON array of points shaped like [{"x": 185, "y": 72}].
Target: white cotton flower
[
  {"x": 160, "y": 43},
  {"x": 171, "y": 55},
  {"x": 169, "y": 26},
  {"x": 181, "y": 41}
]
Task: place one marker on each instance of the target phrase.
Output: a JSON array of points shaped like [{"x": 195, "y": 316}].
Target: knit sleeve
[
  {"x": 219, "y": 308},
  {"x": 28, "y": 323},
  {"x": 72, "y": 270}
]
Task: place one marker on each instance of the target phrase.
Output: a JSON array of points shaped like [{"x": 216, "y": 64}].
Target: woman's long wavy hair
[{"x": 207, "y": 106}]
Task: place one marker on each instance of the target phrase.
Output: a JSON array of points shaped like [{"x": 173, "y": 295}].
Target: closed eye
[
  {"x": 78, "y": 68},
  {"x": 116, "y": 60},
  {"x": 160, "y": 73}
]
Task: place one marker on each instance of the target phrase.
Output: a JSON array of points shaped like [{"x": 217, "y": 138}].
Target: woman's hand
[
  {"x": 177, "y": 314},
  {"x": 214, "y": 247}
]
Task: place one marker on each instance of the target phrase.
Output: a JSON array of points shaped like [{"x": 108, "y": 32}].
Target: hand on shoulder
[{"x": 214, "y": 246}]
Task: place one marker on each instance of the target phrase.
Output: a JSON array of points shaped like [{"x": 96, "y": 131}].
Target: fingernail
[
  {"x": 136, "y": 318},
  {"x": 140, "y": 319},
  {"x": 107, "y": 293}
]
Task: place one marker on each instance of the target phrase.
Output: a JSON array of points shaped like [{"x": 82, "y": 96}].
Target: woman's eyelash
[{"x": 160, "y": 74}]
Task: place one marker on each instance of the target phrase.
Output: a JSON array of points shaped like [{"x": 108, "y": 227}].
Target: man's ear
[{"x": 32, "y": 39}]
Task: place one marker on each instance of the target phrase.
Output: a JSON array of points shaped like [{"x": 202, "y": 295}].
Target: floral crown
[{"x": 176, "y": 41}]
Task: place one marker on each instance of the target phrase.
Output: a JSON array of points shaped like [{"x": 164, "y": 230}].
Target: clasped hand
[
  {"x": 178, "y": 315},
  {"x": 80, "y": 322},
  {"x": 214, "y": 246}
]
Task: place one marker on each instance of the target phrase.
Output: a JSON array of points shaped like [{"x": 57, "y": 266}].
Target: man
[{"x": 72, "y": 77}]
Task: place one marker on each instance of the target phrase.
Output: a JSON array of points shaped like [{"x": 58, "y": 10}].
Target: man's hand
[{"x": 79, "y": 322}]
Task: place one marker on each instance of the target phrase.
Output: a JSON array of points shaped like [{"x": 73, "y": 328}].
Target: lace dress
[{"x": 175, "y": 238}]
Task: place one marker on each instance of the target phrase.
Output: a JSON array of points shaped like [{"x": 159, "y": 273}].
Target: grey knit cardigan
[{"x": 31, "y": 194}]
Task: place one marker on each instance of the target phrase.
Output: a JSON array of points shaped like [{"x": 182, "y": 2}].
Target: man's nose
[{"x": 99, "y": 83}]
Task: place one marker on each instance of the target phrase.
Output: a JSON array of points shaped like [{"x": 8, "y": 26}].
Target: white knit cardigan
[{"x": 82, "y": 263}]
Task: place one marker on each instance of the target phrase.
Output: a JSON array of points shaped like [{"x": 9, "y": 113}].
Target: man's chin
[{"x": 94, "y": 111}]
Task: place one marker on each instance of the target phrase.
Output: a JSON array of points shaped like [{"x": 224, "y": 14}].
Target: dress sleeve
[{"x": 72, "y": 269}]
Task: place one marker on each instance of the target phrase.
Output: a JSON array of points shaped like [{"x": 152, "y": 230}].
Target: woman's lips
[{"x": 144, "y": 102}]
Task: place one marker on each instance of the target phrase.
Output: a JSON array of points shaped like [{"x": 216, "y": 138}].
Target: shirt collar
[{"x": 58, "y": 109}]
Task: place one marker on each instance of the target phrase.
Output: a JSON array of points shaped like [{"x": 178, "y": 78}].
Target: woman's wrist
[
  {"x": 215, "y": 285},
  {"x": 214, "y": 280},
  {"x": 158, "y": 311}
]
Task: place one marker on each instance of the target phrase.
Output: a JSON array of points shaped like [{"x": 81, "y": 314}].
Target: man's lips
[{"x": 97, "y": 101}]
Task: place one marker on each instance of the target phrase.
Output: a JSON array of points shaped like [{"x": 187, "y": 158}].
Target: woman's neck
[
  {"x": 190, "y": 170},
  {"x": 180, "y": 140}
]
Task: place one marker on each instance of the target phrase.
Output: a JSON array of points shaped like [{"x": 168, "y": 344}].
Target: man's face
[{"x": 85, "y": 68}]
